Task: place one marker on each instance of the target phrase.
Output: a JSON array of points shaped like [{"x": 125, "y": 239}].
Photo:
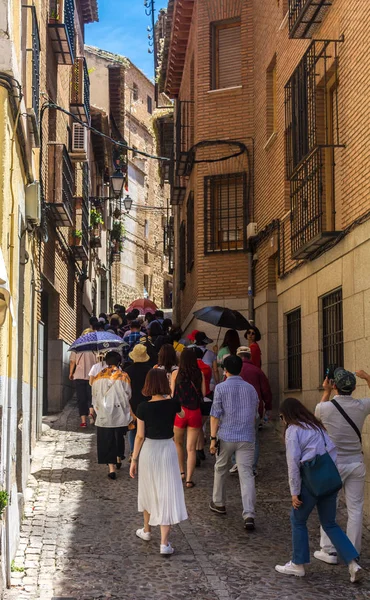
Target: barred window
[
  {"x": 182, "y": 256},
  {"x": 190, "y": 232},
  {"x": 332, "y": 330},
  {"x": 294, "y": 349},
  {"x": 225, "y": 213}
]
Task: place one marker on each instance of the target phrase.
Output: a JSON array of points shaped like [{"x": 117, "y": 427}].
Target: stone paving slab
[{"x": 78, "y": 536}]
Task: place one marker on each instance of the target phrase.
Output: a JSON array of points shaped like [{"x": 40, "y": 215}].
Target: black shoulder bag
[{"x": 348, "y": 419}]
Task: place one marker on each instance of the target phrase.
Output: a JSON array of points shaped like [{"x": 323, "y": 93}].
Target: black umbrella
[{"x": 222, "y": 317}]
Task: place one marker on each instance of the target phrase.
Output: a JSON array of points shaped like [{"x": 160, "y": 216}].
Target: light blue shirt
[
  {"x": 302, "y": 444},
  {"x": 235, "y": 403}
]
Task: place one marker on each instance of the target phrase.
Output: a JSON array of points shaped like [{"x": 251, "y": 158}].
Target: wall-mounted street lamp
[
  {"x": 127, "y": 203},
  {"x": 117, "y": 181}
]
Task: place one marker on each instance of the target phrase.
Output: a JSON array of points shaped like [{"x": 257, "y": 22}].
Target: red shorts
[{"x": 192, "y": 418}]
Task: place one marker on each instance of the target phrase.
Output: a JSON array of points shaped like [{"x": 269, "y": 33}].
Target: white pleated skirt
[{"x": 161, "y": 491}]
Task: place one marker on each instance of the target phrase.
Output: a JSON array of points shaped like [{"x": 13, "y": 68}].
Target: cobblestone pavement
[{"x": 78, "y": 535}]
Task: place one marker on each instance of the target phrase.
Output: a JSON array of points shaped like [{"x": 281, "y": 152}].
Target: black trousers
[
  {"x": 111, "y": 444},
  {"x": 83, "y": 391}
]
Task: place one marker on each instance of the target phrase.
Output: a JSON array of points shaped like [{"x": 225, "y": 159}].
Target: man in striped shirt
[{"x": 233, "y": 416}]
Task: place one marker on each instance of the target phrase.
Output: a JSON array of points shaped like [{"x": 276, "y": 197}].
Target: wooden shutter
[{"x": 228, "y": 55}]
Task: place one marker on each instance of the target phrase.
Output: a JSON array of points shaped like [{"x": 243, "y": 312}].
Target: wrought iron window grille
[
  {"x": 305, "y": 16},
  {"x": 62, "y": 29},
  {"x": 332, "y": 330},
  {"x": 85, "y": 204},
  {"x": 294, "y": 349},
  {"x": 35, "y": 54},
  {"x": 184, "y": 135},
  {"x": 225, "y": 213},
  {"x": 182, "y": 255}
]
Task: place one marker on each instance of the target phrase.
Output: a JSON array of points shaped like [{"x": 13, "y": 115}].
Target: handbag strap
[{"x": 348, "y": 419}]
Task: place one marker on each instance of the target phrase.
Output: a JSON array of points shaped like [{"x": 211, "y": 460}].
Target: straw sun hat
[{"x": 139, "y": 354}]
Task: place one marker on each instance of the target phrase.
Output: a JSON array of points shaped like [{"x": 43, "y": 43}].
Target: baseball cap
[
  {"x": 202, "y": 339},
  {"x": 344, "y": 380},
  {"x": 192, "y": 335},
  {"x": 243, "y": 350}
]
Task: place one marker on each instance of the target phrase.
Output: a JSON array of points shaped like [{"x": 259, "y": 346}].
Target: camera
[{"x": 329, "y": 373}]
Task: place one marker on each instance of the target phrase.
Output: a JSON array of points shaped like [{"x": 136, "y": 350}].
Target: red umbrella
[{"x": 143, "y": 305}]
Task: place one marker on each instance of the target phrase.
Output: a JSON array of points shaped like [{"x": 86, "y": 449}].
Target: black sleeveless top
[{"x": 188, "y": 395}]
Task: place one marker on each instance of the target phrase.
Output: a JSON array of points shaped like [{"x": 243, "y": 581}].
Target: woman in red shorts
[{"x": 188, "y": 387}]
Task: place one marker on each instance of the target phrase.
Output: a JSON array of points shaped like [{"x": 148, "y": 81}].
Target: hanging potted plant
[
  {"x": 75, "y": 237},
  {"x": 118, "y": 231},
  {"x": 96, "y": 221},
  {"x": 54, "y": 14}
]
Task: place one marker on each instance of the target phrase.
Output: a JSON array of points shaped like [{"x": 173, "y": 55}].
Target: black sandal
[{"x": 189, "y": 484}]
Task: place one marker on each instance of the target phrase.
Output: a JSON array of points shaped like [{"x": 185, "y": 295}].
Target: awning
[{"x": 5, "y": 297}]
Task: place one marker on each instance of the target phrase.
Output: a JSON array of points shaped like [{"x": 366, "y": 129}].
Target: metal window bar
[
  {"x": 225, "y": 213},
  {"x": 182, "y": 256},
  {"x": 69, "y": 20},
  {"x": 190, "y": 222},
  {"x": 294, "y": 349},
  {"x": 86, "y": 89},
  {"x": 332, "y": 320},
  {"x": 306, "y": 107},
  {"x": 67, "y": 181},
  {"x": 35, "y": 52},
  {"x": 170, "y": 245},
  {"x": 305, "y": 16},
  {"x": 184, "y": 133},
  {"x": 85, "y": 204}
]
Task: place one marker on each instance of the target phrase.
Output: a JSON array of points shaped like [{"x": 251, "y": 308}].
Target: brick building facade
[
  {"x": 142, "y": 269},
  {"x": 287, "y": 80}
]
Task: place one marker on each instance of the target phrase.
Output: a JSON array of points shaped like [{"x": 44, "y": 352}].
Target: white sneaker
[
  {"x": 355, "y": 571},
  {"x": 234, "y": 469},
  {"x": 291, "y": 569},
  {"x": 144, "y": 535},
  {"x": 330, "y": 558},
  {"x": 166, "y": 550}
]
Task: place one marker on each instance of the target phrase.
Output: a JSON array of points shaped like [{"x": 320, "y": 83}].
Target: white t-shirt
[
  {"x": 340, "y": 431},
  {"x": 95, "y": 369}
]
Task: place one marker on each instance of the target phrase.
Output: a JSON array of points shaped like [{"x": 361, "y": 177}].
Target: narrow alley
[{"x": 78, "y": 534}]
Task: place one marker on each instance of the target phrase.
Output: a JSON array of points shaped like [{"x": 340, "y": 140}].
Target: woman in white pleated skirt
[{"x": 161, "y": 494}]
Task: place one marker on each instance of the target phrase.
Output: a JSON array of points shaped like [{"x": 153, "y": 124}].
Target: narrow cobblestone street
[{"x": 78, "y": 535}]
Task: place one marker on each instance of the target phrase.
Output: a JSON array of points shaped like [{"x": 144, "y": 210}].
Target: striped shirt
[{"x": 235, "y": 403}]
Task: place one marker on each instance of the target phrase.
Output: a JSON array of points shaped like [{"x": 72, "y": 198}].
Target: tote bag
[{"x": 320, "y": 475}]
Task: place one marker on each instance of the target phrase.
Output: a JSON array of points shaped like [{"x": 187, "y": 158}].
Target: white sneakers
[
  {"x": 355, "y": 571},
  {"x": 166, "y": 550},
  {"x": 331, "y": 559},
  {"x": 291, "y": 569},
  {"x": 147, "y": 536},
  {"x": 144, "y": 535}
]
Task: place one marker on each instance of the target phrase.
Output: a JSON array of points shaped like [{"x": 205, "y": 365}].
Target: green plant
[
  {"x": 118, "y": 231},
  {"x": 15, "y": 569},
  {"x": 4, "y": 499},
  {"x": 77, "y": 233},
  {"x": 96, "y": 217}
]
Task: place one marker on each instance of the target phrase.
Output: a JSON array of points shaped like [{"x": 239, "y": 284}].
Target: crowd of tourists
[{"x": 161, "y": 390}]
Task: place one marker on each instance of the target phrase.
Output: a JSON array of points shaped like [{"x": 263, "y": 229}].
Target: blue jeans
[
  {"x": 326, "y": 507},
  {"x": 131, "y": 438}
]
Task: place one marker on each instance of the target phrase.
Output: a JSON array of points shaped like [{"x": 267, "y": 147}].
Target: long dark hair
[
  {"x": 231, "y": 341},
  {"x": 188, "y": 369},
  {"x": 295, "y": 413},
  {"x": 167, "y": 357}
]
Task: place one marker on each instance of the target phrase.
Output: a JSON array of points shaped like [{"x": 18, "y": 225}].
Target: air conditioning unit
[
  {"x": 79, "y": 143},
  {"x": 252, "y": 230},
  {"x": 33, "y": 203}
]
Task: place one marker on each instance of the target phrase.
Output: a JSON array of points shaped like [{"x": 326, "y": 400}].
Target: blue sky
[{"x": 122, "y": 28}]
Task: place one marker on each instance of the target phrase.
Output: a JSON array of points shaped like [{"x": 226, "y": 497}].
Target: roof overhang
[
  {"x": 180, "y": 29},
  {"x": 89, "y": 10}
]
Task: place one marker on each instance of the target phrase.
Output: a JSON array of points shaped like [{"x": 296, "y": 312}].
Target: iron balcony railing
[
  {"x": 60, "y": 184},
  {"x": 85, "y": 205},
  {"x": 309, "y": 217},
  {"x": 305, "y": 16},
  {"x": 184, "y": 134},
  {"x": 62, "y": 29},
  {"x": 80, "y": 90},
  {"x": 34, "y": 51}
]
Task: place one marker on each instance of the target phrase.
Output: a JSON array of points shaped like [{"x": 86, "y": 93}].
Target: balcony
[
  {"x": 305, "y": 16},
  {"x": 184, "y": 136},
  {"x": 95, "y": 236},
  {"x": 80, "y": 91},
  {"x": 79, "y": 236},
  {"x": 310, "y": 209},
  {"x": 60, "y": 184},
  {"x": 32, "y": 72},
  {"x": 61, "y": 30},
  {"x": 164, "y": 130}
]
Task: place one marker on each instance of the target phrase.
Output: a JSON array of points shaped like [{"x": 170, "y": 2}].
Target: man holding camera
[{"x": 344, "y": 419}]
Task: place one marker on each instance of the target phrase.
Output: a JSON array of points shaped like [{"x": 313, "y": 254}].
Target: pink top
[{"x": 84, "y": 362}]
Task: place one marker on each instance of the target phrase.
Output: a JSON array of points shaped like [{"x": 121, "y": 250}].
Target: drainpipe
[{"x": 250, "y": 284}]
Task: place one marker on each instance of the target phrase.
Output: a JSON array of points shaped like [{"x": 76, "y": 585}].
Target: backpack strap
[{"x": 347, "y": 418}]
